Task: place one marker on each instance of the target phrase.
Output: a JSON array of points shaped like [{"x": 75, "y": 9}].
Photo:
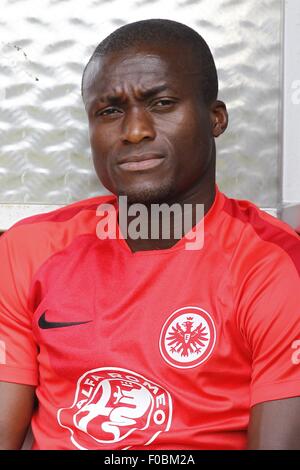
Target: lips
[{"x": 141, "y": 162}]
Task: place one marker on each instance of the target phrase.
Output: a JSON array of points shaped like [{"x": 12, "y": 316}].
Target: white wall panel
[
  {"x": 44, "y": 45},
  {"x": 291, "y": 121}
]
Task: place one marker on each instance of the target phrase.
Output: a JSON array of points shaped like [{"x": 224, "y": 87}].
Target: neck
[{"x": 154, "y": 222}]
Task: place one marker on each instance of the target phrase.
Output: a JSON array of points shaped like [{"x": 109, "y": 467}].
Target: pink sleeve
[
  {"x": 270, "y": 323},
  {"x": 18, "y": 350}
]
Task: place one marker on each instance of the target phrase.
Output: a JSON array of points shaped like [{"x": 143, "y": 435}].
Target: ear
[{"x": 219, "y": 117}]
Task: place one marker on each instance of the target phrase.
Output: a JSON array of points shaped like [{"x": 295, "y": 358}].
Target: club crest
[{"x": 187, "y": 338}]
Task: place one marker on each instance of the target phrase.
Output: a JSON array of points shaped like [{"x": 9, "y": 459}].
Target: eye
[
  {"x": 107, "y": 112},
  {"x": 164, "y": 102}
]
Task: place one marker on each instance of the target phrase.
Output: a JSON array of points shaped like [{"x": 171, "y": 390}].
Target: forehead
[{"x": 139, "y": 67}]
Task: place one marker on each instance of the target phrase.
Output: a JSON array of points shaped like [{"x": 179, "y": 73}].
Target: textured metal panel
[
  {"x": 44, "y": 45},
  {"x": 291, "y": 147}
]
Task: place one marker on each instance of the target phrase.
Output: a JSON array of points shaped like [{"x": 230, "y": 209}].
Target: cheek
[
  {"x": 193, "y": 142},
  {"x": 100, "y": 145},
  {"x": 174, "y": 130},
  {"x": 96, "y": 138},
  {"x": 189, "y": 128},
  {"x": 99, "y": 149},
  {"x": 199, "y": 125}
]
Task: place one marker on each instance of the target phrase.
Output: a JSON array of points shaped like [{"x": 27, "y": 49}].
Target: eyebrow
[
  {"x": 119, "y": 97},
  {"x": 154, "y": 90}
]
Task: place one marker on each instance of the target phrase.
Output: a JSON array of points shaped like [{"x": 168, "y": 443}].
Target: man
[{"x": 141, "y": 343}]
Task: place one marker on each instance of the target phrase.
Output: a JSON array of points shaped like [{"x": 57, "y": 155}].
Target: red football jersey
[{"x": 163, "y": 349}]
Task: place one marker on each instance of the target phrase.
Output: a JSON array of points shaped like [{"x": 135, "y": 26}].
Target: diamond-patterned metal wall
[{"x": 44, "y": 45}]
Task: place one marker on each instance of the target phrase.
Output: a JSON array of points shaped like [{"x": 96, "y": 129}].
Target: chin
[{"x": 147, "y": 194}]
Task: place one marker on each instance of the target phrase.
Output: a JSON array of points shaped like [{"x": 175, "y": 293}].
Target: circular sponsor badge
[{"x": 116, "y": 408}]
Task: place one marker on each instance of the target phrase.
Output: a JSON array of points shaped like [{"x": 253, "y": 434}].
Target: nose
[{"x": 137, "y": 126}]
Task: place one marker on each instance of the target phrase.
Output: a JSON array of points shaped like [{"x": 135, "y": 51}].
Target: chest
[{"x": 169, "y": 313}]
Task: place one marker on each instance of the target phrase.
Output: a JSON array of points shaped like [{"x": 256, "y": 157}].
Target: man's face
[{"x": 150, "y": 131}]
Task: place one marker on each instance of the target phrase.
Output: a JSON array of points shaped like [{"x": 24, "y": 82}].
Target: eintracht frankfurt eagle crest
[{"x": 188, "y": 337}]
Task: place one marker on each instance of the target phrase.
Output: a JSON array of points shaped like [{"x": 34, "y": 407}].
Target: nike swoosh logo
[{"x": 45, "y": 325}]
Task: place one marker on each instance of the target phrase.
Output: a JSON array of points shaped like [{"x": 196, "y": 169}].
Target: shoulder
[
  {"x": 264, "y": 268},
  {"x": 27, "y": 244},
  {"x": 257, "y": 236},
  {"x": 67, "y": 213},
  {"x": 76, "y": 217}
]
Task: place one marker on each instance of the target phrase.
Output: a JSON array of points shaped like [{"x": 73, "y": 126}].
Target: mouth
[{"x": 141, "y": 162}]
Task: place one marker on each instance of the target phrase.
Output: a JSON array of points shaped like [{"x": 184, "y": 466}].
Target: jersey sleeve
[
  {"x": 23, "y": 250},
  {"x": 270, "y": 323},
  {"x": 18, "y": 350}
]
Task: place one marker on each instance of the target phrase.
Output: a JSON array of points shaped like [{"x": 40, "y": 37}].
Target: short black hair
[{"x": 159, "y": 31}]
